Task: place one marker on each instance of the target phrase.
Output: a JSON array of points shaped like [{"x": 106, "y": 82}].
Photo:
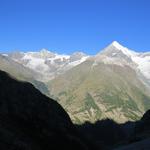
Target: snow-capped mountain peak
[
  {"x": 117, "y": 54},
  {"x": 123, "y": 49},
  {"x": 117, "y": 45},
  {"x": 48, "y": 63},
  {"x": 116, "y": 50}
]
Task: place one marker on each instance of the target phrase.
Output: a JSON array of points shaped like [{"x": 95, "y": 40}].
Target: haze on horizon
[{"x": 66, "y": 26}]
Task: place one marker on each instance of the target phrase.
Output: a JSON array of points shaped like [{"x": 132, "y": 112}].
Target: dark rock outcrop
[
  {"x": 31, "y": 121},
  {"x": 142, "y": 127},
  {"x": 104, "y": 133},
  {"x": 145, "y": 121},
  {"x": 109, "y": 135}
]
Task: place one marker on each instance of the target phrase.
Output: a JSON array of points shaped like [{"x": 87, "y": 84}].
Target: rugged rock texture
[{"x": 31, "y": 121}]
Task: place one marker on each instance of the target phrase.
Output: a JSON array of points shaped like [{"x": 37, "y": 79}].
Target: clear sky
[{"x": 66, "y": 26}]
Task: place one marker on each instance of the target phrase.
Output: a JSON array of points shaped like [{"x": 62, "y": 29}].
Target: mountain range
[
  {"x": 48, "y": 64},
  {"x": 29, "y": 120},
  {"x": 115, "y": 83}
]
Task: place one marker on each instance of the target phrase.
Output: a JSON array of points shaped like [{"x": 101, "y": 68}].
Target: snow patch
[{"x": 75, "y": 63}]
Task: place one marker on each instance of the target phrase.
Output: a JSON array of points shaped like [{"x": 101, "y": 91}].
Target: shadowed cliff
[{"x": 31, "y": 121}]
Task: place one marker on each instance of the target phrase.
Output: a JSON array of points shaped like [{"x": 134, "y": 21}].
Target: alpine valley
[{"x": 114, "y": 84}]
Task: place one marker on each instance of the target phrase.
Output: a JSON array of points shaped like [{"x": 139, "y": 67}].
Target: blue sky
[{"x": 66, "y": 26}]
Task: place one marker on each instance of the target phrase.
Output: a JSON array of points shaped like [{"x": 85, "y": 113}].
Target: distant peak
[
  {"x": 44, "y": 50},
  {"x": 117, "y": 45},
  {"x": 79, "y": 53}
]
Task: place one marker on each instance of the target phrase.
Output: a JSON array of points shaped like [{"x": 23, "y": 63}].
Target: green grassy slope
[{"x": 91, "y": 93}]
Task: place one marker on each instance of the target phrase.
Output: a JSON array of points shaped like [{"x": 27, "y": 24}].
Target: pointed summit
[
  {"x": 116, "y": 50},
  {"x": 117, "y": 45}
]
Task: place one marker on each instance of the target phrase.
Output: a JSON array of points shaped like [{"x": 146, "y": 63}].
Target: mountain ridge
[{"x": 50, "y": 64}]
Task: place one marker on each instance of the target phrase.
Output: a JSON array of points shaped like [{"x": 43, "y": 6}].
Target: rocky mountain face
[
  {"x": 113, "y": 84},
  {"x": 31, "y": 121}
]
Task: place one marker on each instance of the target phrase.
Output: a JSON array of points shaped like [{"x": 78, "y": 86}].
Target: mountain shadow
[
  {"x": 31, "y": 121},
  {"x": 107, "y": 134},
  {"x": 104, "y": 132}
]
